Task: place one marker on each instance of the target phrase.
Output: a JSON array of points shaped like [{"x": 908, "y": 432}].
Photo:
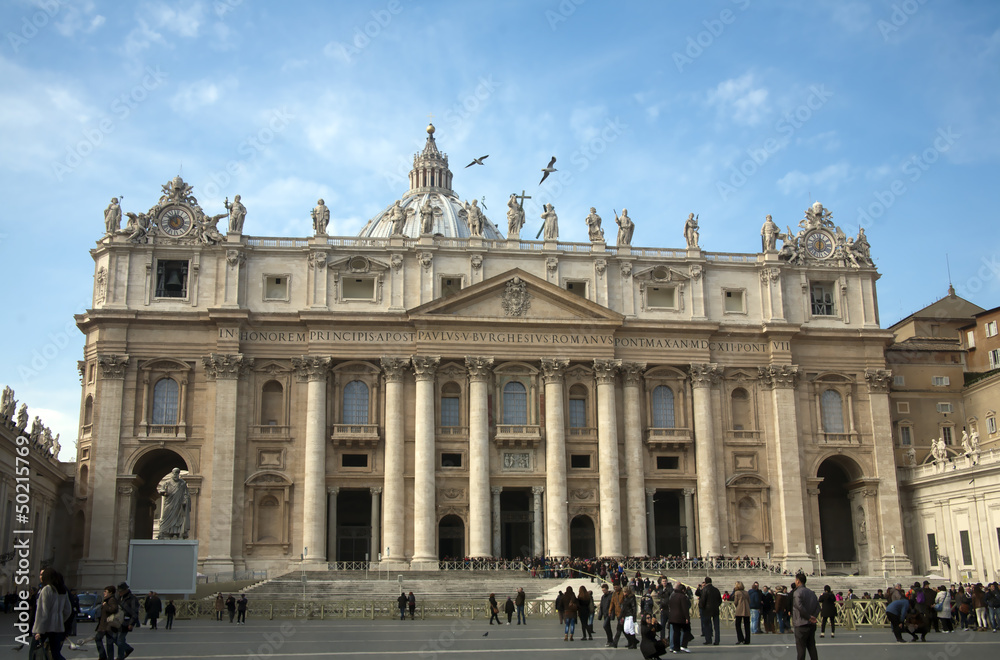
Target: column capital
[
  {"x": 689, "y": 492},
  {"x": 780, "y": 376},
  {"x": 311, "y": 367},
  {"x": 879, "y": 380},
  {"x": 704, "y": 374},
  {"x": 537, "y": 490},
  {"x": 332, "y": 490},
  {"x": 606, "y": 370},
  {"x": 496, "y": 490},
  {"x": 553, "y": 370},
  {"x": 632, "y": 373},
  {"x": 425, "y": 366},
  {"x": 375, "y": 490},
  {"x": 222, "y": 366},
  {"x": 812, "y": 491},
  {"x": 650, "y": 492},
  {"x": 112, "y": 365},
  {"x": 479, "y": 367},
  {"x": 394, "y": 368}
]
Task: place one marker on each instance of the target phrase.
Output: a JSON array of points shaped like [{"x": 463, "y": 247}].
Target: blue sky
[{"x": 886, "y": 111}]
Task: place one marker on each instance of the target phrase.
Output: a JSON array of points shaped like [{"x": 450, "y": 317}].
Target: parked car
[{"x": 90, "y": 607}]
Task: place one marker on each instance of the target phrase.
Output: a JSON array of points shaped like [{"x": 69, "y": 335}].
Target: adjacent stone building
[{"x": 433, "y": 388}]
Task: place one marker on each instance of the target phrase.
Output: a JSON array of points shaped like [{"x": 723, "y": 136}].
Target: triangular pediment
[{"x": 518, "y": 297}]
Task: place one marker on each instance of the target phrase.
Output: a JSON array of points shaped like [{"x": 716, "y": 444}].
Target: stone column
[
  {"x": 479, "y": 456},
  {"x": 314, "y": 371},
  {"x": 791, "y": 518},
  {"x": 106, "y": 436},
  {"x": 607, "y": 443},
  {"x": 225, "y": 370},
  {"x": 496, "y": 490},
  {"x": 375, "y": 543},
  {"x": 424, "y": 488},
  {"x": 703, "y": 376},
  {"x": 125, "y": 516},
  {"x": 536, "y": 531},
  {"x": 879, "y": 381},
  {"x": 640, "y": 540},
  {"x": 812, "y": 490},
  {"x": 331, "y": 526},
  {"x": 650, "y": 522},
  {"x": 689, "y": 521},
  {"x": 394, "y": 498},
  {"x": 556, "y": 495}
]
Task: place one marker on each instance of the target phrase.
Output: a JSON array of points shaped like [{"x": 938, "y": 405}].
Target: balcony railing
[
  {"x": 582, "y": 432},
  {"x": 518, "y": 435},
  {"x": 840, "y": 438},
  {"x": 355, "y": 435},
  {"x": 165, "y": 430},
  {"x": 668, "y": 437},
  {"x": 270, "y": 430},
  {"x": 744, "y": 436},
  {"x": 453, "y": 431}
]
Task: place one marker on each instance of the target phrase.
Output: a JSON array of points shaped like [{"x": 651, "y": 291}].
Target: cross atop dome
[{"x": 430, "y": 171}]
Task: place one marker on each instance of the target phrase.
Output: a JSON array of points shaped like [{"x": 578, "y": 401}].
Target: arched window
[
  {"x": 578, "y": 407},
  {"x": 356, "y": 403},
  {"x": 833, "y": 411},
  {"x": 451, "y": 404},
  {"x": 663, "y": 407},
  {"x": 88, "y": 411},
  {"x": 515, "y": 403},
  {"x": 271, "y": 404},
  {"x": 740, "y": 409},
  {"x": 165, "y": 401}
]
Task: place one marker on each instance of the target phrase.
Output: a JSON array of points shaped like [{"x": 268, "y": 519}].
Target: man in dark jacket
[
  {"x": 519, "y": 604},
  {"x": 153, "y": 606},
  {"x": 604, "y": 612},
  {"x": 709, "y": 602},
  {"x": 679, "y": 607},
  {"x": 664, "y": 606},
  {"x": 401, "y": 602},
  {"x": 128, "y": 602},
  {"x": 754, "y": 597}
]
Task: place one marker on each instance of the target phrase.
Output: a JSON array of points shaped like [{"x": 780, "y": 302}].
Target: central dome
[{"x": 430, "y": 182}]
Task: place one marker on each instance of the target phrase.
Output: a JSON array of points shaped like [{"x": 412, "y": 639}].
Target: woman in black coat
[
  {"x": 650, "y": 646},
  {"x": 680, "y": 611},
  {"x": 828, "y": 610}
]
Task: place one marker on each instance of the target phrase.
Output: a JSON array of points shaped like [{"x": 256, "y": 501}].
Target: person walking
[
  {"x": 130, "y": 604},
  {"x": 107, "y": 636},
  {"x": 630, "y": 613},
  {"x": 570, "y": 610},
  {"x": 755, "y": 599},
  {"x": 153, "y": 606},
  {"x": 170, "y": 610},
  {"x": 742, "y": 613},
  {"x": 220, "y": 604},
  {"x": 979, "y": 606},
  {"x": 560, "y": 606},
  {"x": 241, "y": 610},
  {"x": 615, "y": 609},
  {"x": 585, "y": 612},
  {"x": 509, "y": 608},
  {"x": 231, "y": 607},
  {"x": 993, "y": 605},
  {"x": 828, "y": 610},
  {"x": 401, "y": 602},
  {"x": 679, "y": 607},
  {"x": 805, "y": 608},
  {"x": 709, "y": 603},
  {"x": 604, "y": 612},
  {"x": 494, "y": 609},
  {"x": 519, "y": 604},
  {"x": 411, "y": 602},
  {"x": 52, "y": 611}
]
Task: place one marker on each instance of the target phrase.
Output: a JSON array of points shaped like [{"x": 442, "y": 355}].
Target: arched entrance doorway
[
  {"x": 515, "y": 523},
  {"x": 354, "y": 525},
  {"x": 670, "y": 535},
  {"x": 451, "y": 538},
  {"x": 582, "y": 538},
  {"x": 835, "y": 519},
  {"x": 149, "y": 470}
]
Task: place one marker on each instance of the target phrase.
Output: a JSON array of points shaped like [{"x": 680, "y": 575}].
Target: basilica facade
[{"x": 434, "y": 388}]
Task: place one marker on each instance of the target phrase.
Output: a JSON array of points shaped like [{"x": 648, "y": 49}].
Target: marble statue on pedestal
[
  {"x": 515, "y": 217},
  {"x": 237, "y": 213},
  {"x": 475, "y": 218},
  {"x": 769, "y": 235},
  {"x": 137, "y": 226},
  {"x": 209, "y": 230},
  {"x": 625, "y": 228},
  {"x": 112, "y": 217},
  {"x": 175, "y": 520},
  {"x": 594, "y": 231},
  {"x": 550, "y": 225},
  {"x": 320, "y": 218},
  {"x": 398, "y": 219},
  {"x": 427, "y": 213},
  {"x": 7, "y": 404},
  {"x": 22, "y": 418},
  {"x": 691, "y": 232}
]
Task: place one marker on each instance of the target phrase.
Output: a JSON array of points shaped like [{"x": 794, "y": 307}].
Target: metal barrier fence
[
  {"x": 232, "y": 576},
  {"x": 483, "y": 565},
  {"x": 851, "y": 615}
]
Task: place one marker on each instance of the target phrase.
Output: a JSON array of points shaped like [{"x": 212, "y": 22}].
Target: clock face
[
  {"x": 175, "y": 221},
  {"x": 819, "y": 244}
]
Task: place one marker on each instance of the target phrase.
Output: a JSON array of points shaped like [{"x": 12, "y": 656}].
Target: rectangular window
[
  {"x": 450, "y": 411},
  {"x": 966, "y": 548},
  {"x": 667, "y": 462},
  {"x": 450, "y": 286},
  {"x": 359, "y": 288},
  {"x": 944, "y": 408},
  {"x": 991, "y": 329},
  {"x": 970, "y": 338},
  {"x": 577, "y": 287},
  {"x": 577, "y": 413},
  {"x": 932, "y": 549},
  {"x": 991, "y": 425},
  {"x": 821, "y": 294},
  {"x": 171, "y": 278},
  {"x": 354, "y": 460},
  {"x": 946, "y": 433},
  {"x": 275, "y": 287},
  {"x": 451, "y": 460},
  {"x": 994, "y": 356},
  {"x": 734, "y": 302},
  {"x": 903, "y": 407},
  {"x": 905, "y": 436},
  {"x": 899, "y": 381},
  {"x": 660, "y": 297},
  {"x": 579, "y": 461},
  {"x": 91, "y": 372},
  {"x": 940, "y": 381}
]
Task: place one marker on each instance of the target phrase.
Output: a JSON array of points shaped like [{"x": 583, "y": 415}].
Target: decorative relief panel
[{"x": 516, "y": 461}]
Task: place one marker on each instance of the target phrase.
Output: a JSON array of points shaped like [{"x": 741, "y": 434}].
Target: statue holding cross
[{"x": 515, "y": 215}]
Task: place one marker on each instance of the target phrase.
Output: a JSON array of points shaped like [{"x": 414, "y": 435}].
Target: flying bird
[
  {"x": 478, "y": 161},
  {"x": 548, "y": 170}
]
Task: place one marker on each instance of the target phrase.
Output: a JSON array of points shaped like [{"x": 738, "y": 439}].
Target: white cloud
[
  {"x": 140, "y": 38},
  {"x": 78, "y": 17},
  {"x": 852, "y": 16},
  {"x": 199, "y": 94},
  {"x": 184, "y": 22},
  {"x": 740, "y": 100},
  {"x": 587, "y": 122},
  {"x": 828, "y": 140},
  {"x": 826, "y": 179}
]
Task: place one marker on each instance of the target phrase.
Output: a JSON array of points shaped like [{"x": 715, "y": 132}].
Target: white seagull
[
  {"x": 548, "y": 170},
  {"x": 478, "y": 161}
]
